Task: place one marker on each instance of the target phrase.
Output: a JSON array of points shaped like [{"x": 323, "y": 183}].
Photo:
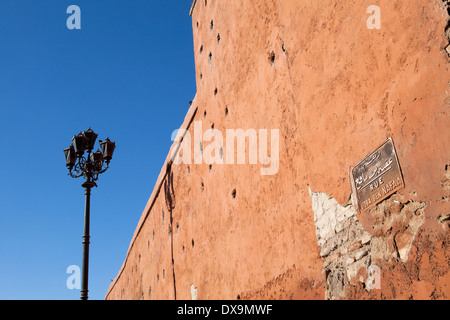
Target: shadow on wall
[{"x": 169, "y": 195}]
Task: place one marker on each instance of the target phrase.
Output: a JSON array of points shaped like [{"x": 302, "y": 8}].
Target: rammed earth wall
[{"x": 335, "y": 83}]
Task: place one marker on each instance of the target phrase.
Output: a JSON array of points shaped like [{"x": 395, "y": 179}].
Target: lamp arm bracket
[
  {"x": 75, "y": 175},
  {"x": 104, "y": 170}
]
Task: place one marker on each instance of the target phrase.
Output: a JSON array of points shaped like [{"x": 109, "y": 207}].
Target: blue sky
[{"x": 129, "y": 75}]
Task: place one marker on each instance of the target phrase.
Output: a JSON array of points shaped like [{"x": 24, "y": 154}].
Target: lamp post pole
[
  {"x": 88, "y": 167},
  {"x": 86, "y": 236}
]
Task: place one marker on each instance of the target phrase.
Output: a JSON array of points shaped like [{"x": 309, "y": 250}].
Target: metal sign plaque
[{"x": 377, "y": 176}]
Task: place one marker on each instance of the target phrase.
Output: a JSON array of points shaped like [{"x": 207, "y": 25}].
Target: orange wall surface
[{"x": 334, "y": 89}]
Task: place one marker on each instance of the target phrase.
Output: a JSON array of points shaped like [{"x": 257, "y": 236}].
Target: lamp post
[{"x": 89, "y": 167}]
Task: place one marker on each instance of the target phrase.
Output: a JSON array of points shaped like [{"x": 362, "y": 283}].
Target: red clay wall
[{"x": 335, "y": 90}]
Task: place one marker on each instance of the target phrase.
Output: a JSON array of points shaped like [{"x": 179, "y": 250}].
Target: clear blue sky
[{"x": 129, "y": 75}]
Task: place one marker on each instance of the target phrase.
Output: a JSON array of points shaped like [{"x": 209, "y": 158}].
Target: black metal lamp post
[{"x": 88, "y": 167}]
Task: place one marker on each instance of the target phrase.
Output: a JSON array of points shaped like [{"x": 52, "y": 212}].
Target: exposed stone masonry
[{"x": 344, "y": 243}]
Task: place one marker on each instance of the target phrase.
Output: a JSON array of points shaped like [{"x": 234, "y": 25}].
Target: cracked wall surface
[
  {"x": 446, "y": 4},
  {"x": 350, "y": 251},
  {"x": 344, "y": 244},
  {"x": 335, "y": 90}
]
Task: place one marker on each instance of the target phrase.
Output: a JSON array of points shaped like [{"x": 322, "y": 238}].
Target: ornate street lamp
[{"x": 89, "y": 167}]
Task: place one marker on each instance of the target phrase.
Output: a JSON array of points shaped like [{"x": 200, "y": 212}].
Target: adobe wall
[{"x": 335, "y": 90}]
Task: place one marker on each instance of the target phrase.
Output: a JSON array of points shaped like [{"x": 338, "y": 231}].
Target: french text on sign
[{"x": 377, "y": 176}]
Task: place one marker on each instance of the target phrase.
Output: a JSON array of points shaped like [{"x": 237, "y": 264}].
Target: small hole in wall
[
  {"x": 197, "y": 24},
  {"x": 164, "y": 274},
  {"x": 192, "y": 243},
  {"x": 210, "y": 57},
  {"x": 212, "y": 126},
  {"x": 212, "y": 25},
  {"x": 206, "y": 2},
  {"x": 218, "y": 38},
  {"x": 215, "y": 92},
  {"x": 283, "y": 48},
  {"x": 204, "y": 114},
  {"x": 272, "y": 58},
  {"x": 189, "y": 171},
  {"x": 201, "y": 49},
  {"x": 226, "y": 112},
  {"x": 238, "y": 297},
  {"x": 210, "y": 167},
  {"x": 183, "y": 248},
  {"x": 201, "y": 76},
  {"x": 203, "y": 186},
  {"x": 233, "y": 193}
]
